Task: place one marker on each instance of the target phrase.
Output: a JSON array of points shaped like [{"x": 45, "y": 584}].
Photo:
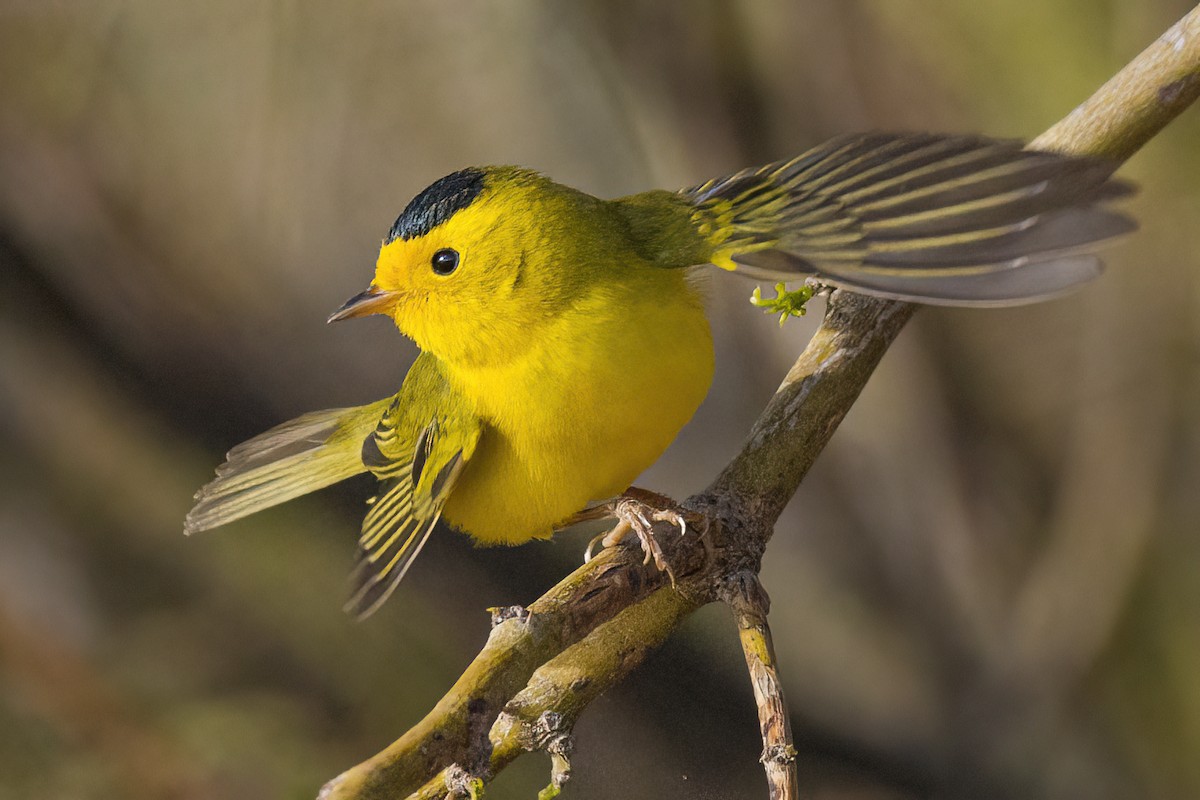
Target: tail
[
  {"x": 295, "y": 458},
  {"x": 954, "y": 220}
]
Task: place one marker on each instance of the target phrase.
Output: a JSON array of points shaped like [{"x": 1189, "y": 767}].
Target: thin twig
[{"x": 749, "y": 602}]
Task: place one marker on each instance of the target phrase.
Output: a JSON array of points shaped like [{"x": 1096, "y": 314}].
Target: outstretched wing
[
  {"x": 297, "y": 457},
  {"x": 959, "y": 220},
  {"x": 418, "y": 460}
]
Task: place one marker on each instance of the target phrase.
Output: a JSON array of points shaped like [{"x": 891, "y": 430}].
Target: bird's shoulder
[{"x": 659, "y": 226}]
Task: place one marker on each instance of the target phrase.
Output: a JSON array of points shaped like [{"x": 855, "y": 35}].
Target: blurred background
[{"x": 989, "y": 586}]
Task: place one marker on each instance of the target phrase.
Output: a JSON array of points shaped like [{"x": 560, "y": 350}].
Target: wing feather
[
  {"x": 292, "y": 459},
  {"x": 418, "y": 450},
  {"x": 909, "y": 214}
]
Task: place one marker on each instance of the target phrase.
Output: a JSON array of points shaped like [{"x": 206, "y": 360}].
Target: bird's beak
[{"x": 372, "y": 301}]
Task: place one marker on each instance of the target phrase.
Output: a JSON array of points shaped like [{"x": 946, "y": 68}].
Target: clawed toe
[{"x": 636, "y": 512}]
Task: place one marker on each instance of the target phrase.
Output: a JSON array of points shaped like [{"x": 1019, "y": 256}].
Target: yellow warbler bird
[{"x": 564, "y": 342}]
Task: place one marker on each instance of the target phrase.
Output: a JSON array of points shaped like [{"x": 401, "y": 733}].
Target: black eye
[{"x": 445, "y": 261}]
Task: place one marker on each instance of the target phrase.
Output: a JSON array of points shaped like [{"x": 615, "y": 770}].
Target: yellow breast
[{"x": 597, "y": 399}]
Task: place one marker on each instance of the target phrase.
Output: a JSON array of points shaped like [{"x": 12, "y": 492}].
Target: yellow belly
[{"x": 596, "y": 402}]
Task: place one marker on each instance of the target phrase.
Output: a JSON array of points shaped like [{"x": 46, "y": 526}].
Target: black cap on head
[{"x": 437, "y": 203}]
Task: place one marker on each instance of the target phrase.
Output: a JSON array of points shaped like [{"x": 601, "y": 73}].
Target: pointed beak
[{"x": 373, "y": 301}]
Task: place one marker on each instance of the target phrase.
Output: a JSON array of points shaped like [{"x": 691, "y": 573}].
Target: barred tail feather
[{"x": 308, "y": 453}]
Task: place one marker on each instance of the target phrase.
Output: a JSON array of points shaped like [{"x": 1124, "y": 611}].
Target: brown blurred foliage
[{"x": 989, "y": 587}]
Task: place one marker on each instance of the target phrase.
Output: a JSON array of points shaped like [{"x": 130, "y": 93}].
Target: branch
[
  {"x": 750, "y": 604},
  {"x": 546, "y": 710},
  {"x": 1137, "y": 102},
  {"x": 598, "y": 624},
  {"x": 520, "y": 642}
]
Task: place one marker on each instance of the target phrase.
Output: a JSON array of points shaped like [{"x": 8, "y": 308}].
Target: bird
[{"x": 563, "y": 338}]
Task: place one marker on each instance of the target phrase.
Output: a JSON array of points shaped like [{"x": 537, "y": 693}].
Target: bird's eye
[{"x": 445, "y": 261}]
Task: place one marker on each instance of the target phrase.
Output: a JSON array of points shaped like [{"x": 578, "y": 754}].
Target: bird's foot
[{"x": 636, "y": 511}]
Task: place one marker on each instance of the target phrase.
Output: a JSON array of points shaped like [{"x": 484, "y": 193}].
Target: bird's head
[{"x": 477, "y": 261}]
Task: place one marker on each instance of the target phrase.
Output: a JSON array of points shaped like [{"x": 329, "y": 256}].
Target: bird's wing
[
  {"x": 297, "y": 457},
  {"x": 417, "y": 451},
  {"x": 943, "y": 219}
]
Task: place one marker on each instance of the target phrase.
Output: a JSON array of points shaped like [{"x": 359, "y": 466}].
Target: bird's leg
[{"x": 636, "y": 511}]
